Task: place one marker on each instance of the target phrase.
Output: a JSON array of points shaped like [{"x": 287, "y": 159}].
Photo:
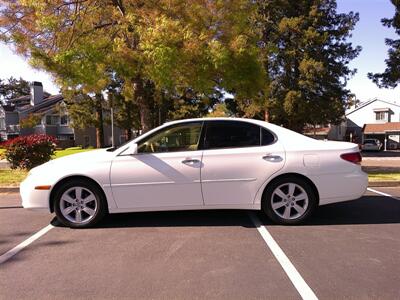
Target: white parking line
[
  {"x": 382, "y": 193},
  {"x": 6, "y": 256},
  {"x": 299, "y": 283}
]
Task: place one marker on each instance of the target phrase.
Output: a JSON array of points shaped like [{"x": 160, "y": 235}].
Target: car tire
[
  {"x": 289, "y": 201},
  {"x": 79, "y": 204}
]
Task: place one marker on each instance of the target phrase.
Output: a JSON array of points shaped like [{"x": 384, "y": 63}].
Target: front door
[
  {"x": 238, "y": 158},
  {"x": 164, "y": 173}
]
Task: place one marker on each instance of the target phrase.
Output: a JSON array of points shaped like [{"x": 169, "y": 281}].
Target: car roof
[{"x": 259, "y": 122}]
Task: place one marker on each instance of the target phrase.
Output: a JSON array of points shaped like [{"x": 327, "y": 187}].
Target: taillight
[{"x": 354, "y": 157}]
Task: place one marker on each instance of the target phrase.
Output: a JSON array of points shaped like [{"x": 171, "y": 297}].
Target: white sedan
[{"x": 218, "y": 163}]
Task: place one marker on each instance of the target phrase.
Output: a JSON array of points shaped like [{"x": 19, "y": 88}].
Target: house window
[
  {"x": 64, "y": 120},
  {"x": 52, "y": 120},
  {"x": 380, "y": 115}
]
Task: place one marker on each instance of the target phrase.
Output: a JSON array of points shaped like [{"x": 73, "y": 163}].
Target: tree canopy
[
  {"x": 285, "y": 61},
  {"x": 168, "y": 44},
  {"x": 391, "y": 76},
  {"x": 12, "y": 88}
]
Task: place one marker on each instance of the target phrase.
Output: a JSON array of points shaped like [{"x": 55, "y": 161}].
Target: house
[
  {"x": 53, "y": 119},
  {"x": 377, "y": 119}
]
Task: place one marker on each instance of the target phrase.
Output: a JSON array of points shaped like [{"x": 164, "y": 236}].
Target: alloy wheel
[
  {"x": 78, "y": 205},
  {"x": 289, "y": 201}
]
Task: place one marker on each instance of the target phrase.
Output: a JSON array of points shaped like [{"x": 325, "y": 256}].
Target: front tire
[
  {"x": 289, "y": 201},
  {"x": 79, "y": 204}
]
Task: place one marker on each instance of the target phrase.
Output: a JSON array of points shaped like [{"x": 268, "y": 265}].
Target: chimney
[{"x": 36, "y": 93}]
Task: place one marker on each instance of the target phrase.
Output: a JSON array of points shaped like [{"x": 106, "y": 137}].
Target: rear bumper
[
  {"x": 341, "y": 187},
  {"x": 33, "y": 199}
]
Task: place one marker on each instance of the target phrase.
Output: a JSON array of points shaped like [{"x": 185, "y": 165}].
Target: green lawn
[
  {"x": 69, "y": 151},
  {"x": 10, "y": 177},
  {"x": 384, "y": 177}
]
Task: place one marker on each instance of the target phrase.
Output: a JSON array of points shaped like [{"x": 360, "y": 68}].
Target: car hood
[{"x": 69, "y": 161}]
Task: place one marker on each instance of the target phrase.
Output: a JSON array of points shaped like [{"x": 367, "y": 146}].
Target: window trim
[
  {"x": 167, "y": 128},
  {"x": 207, "y": 123}
]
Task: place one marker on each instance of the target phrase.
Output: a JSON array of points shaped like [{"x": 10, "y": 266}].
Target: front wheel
[
  {"x": 289, "y": 201},
  {"x": 79, "y": 204}
]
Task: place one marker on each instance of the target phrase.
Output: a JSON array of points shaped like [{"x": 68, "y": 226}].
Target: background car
[
  {"x": 220, "y": 163},
  {"x": 371, "y": 145}
]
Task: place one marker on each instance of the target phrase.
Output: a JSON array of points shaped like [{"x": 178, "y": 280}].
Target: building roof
[
  {"x": 364, "y": 104},
  {"x": 381, "y": 128},
  {"x": 44, "y": 106},
  {"x": 23, "y": 104}
]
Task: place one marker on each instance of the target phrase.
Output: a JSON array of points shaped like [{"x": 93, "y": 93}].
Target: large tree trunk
[
  {"x": 266, "y": 115},
  {"x": 145, "y": 113},
  {"x": 99, "y": 122}
]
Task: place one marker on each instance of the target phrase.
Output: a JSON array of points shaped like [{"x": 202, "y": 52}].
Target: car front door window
[{"x": 182, "y": 137}]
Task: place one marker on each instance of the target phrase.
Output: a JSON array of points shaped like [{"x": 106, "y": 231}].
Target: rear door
[{"x": 238, "y": 158}]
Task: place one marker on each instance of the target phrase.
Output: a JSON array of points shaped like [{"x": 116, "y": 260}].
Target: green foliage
[
  {"x": 306, "y": 57},
  {"x": 391, "y": 76},
  {"x": 152, "y": 46},
  {"x": 220, "y": 110},
  {"x": 30, "y": 121},
  {"x": 27, "y": 152},
  {"x": 12, "y": 88}
]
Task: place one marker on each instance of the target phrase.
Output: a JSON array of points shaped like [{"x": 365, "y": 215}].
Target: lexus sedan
[{"x": 218, "y": 163}]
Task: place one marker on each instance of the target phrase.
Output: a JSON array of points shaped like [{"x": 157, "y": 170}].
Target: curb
[
  {"x": 15, "y": 189},
  {"x": 9, "y": 189}
]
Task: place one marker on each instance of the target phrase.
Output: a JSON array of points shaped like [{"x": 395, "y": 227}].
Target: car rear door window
[
  {"x": 231, "y": 134},
  {"x": 267, "y": 138}
]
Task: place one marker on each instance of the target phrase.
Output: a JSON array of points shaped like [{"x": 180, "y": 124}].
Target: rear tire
[
  {"x": 289, "y": 201},
  {"x": 79, "y": 204}
]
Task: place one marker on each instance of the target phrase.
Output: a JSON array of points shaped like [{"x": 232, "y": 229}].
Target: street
[{"x": 347, "y": 250}]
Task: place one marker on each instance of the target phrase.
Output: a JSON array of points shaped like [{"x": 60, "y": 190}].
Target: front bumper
[{"x": 31, "y": 198}]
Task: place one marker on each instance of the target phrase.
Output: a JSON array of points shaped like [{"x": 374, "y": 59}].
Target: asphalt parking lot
[{"x": 348, "y": 250}]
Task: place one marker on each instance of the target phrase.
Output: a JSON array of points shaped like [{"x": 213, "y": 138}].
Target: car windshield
[
  {"x": 112, "y": 149},
  {"x": 370, "y": 142}
]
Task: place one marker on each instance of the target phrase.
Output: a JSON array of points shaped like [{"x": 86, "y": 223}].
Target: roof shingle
[{"x": 381, "y": 128}]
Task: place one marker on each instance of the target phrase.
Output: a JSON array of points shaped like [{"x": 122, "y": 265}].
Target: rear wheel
[
  {"x": 79, "y": 204},
  {"x": 289, "y": 200}
]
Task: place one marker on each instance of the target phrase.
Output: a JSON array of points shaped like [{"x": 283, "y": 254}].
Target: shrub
[{"x": 27, "y": 152}]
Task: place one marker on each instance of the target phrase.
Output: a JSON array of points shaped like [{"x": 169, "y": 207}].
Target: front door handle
[
  {"x": 272, "y": 158},
  {"x": 189, "y": 161}
]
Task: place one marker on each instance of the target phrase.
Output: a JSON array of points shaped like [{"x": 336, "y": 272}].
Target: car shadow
[{"x": 366, "y": 210}]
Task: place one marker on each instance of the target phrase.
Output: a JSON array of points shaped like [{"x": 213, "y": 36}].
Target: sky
[{"x": 369, "y": 34}]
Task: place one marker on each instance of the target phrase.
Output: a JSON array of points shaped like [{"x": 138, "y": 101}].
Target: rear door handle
[
  {"x": 189, "y": 161},
  {"x": 272, "y": 158}
]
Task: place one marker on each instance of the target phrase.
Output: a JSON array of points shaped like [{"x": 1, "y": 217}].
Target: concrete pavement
[{"x": 348, "y": 250}]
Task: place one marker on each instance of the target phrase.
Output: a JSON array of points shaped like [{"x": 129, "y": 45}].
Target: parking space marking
[
  {"x": 299, "y": 283},
  {"x": 382, "y": 193},
  {"x": 6, "y": 256}
]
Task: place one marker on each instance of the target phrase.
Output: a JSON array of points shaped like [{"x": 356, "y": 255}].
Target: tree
[
  {"x": 306, "y": 56},
  {"x": 152, "y": 46},
  {"x": 12, "y": 88},
  {"x": 391, "y": 76}
]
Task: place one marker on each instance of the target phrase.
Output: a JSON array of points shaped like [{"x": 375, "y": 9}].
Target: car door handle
[
  {"x": 189, "y": 161},
  {"x": 272, "y": 158}
]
